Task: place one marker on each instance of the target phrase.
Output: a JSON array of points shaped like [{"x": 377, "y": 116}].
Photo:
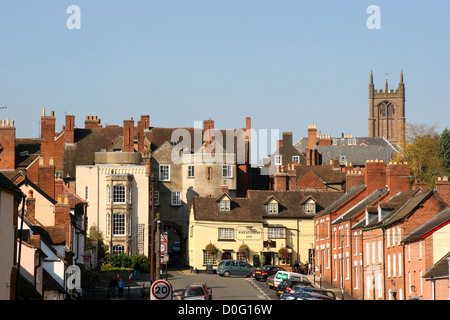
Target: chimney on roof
[
  {"x": 46, "y": 176},
  {"x": 140, "y": 136},
  {"x": 398, "y": 177},
  {"x": 128, "y": 135},
  {"x": 8, "y": 143},
  {"x": 280, "y": 180},
  {"x": 146, "y": 119},
  {"x": 208, "y": 128},
  {"x": 443, "y": 188},
  {"x": 31, "y": 207},
  {"x": 92, "y": 122},
  {"x": 248, "y": 127},
  {"x": 69, "y": 129},
  {"x": 375, "y": 175},
  {"x": 47, "y": 135},
  {"x": 353, "y": 178},
  {"x": 62, "y": 216},
  {"x": 312, "y": 136}
]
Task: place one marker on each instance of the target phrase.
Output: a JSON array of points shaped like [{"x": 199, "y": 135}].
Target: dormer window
[
  {"x": 309, "y": 206},
  {"x": 224, "y": 204},
  {"x": 272, "y": 206}
]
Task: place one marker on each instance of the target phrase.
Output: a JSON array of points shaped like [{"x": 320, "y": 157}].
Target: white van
[{"x": 287, "y": 275}]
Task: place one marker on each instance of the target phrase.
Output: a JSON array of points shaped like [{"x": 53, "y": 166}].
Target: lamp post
[{"x": 151, "y": 219}]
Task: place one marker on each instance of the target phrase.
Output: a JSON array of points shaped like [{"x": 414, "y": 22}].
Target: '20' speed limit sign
[{"x": 161, "y": 290}]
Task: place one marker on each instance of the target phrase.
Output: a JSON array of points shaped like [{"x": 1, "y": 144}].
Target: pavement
[{"x": 136, "y": 287}]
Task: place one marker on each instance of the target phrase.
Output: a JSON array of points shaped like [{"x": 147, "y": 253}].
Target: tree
[
  {"x": 95, "y": 240},
  {"x": 423, "y": 152},
  {"x": 444, "y": 141}
]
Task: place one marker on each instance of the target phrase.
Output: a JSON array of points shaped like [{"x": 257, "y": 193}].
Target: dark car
[
  {"x": 286, "y": 286},
  {"x": 197, "y": 292},
  {"x": 262, "y": 273},
  {"x": 313, "y": 296},
  {"x": 297, "y": 293}
]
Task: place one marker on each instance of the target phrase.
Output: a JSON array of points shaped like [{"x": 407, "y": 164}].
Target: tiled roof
[
  {"x": 440, "y": 269},
  {"x": 440, "y": 219},
  {"x": 342, "y": 199},
  {"x": 252, "y": 208}
]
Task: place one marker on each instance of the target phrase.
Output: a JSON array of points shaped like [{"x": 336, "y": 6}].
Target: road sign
[
  {"x": 163, "y": 237},
  {"x": 164, "y": 258},
  {"x": 161, "y": 290},
  {"x": 163, "y": 248}
]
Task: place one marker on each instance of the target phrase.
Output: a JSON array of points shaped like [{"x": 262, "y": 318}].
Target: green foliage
[
  {"x": 423, "y": 152},
  {"x": 444, "y": 141},
  {"x": 123, "y": 261}
]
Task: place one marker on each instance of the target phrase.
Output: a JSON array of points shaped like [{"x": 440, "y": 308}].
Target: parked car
[
  {"x": 286, "y": 286},
  {"x": 228, "y": 268},
  {"x": 287, "y": 275},
  {"x": 298, "y": 291},
  {"x": 197, "y": 292},
  {"x": 313, "y": 296},
  {"x": 261, "y": 274},
  {"x": 270, "y": 281}
]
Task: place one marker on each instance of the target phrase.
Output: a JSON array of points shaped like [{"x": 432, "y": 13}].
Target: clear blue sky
[{"x": 285, "y": 64}]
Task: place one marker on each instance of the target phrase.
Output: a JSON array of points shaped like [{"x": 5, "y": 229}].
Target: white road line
[{"x": 263, "y": 296}]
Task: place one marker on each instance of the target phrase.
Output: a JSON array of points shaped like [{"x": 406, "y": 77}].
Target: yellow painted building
[{"x": 262, "y": 223}]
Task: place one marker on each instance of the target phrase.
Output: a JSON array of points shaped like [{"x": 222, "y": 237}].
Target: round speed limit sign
[{"x": 161, "y": 290}]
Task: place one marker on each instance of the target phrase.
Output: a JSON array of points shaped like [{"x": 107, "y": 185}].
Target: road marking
[{"x": 263, "y": 296}]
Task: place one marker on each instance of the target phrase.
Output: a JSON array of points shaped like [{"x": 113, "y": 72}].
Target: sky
[{"x": 286, "y": 64}]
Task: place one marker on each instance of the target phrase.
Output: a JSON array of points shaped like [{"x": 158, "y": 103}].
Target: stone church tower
[{"x": 387, "y": 111}]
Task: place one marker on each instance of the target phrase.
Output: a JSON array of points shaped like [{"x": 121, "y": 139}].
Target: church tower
[{"x": 387, "y": 111}]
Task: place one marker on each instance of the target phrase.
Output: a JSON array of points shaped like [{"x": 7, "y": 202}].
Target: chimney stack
[
  {"x": 47, "y": 135},
  {"x": 207, "y": 134},
  {"x": 443, "y": 188},
  {"x": 312, "y": 136},
  {"x": 69, "y": 129},
  {"x": 353, "y": 179},
  {"x": 128, "y": 135},
  {"x": 375, "y": 175},
  {"x": 398, "y": 177},
  {"x": 31, "y": 207},
  {"x": 46, "y": 176},
  {"x": 8, "y": 143},
  {"x": 141, "y": 136},
  {"x": 146, "y": 119},
  {"x": 92, "y": 122},
  {"x": 280, "y": 180}
]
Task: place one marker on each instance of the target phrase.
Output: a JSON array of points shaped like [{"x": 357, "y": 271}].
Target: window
[
  {"x": 118, "y": 249},
  {"x": 156, "y": 198},
  {"x": 208, "y": 258},
  {"x": 309, "y": 207},
  {"x": 227, "y": 171},
  {"x": 164, "y": 172},
  {"x": 226, "y": 234},
  {"x": 108, "y": 224},
  {"x": 224, "y": 205},
  {"x": 191, "y": 172},
  {"x": 278, "y": 160},
  {"x": 296, "y": 159},
  {"x": 86, "y": 190},
  {"x": 272, "y": 207},
  {"x": 129, "y": 194},
  {"x": 108, "y": 194},
  {"x": 119, "y": 193},
  {"x": 118, "y": 224},
  {"x": 277, "y": 233},
  {"x": 176, "y": 198}
]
